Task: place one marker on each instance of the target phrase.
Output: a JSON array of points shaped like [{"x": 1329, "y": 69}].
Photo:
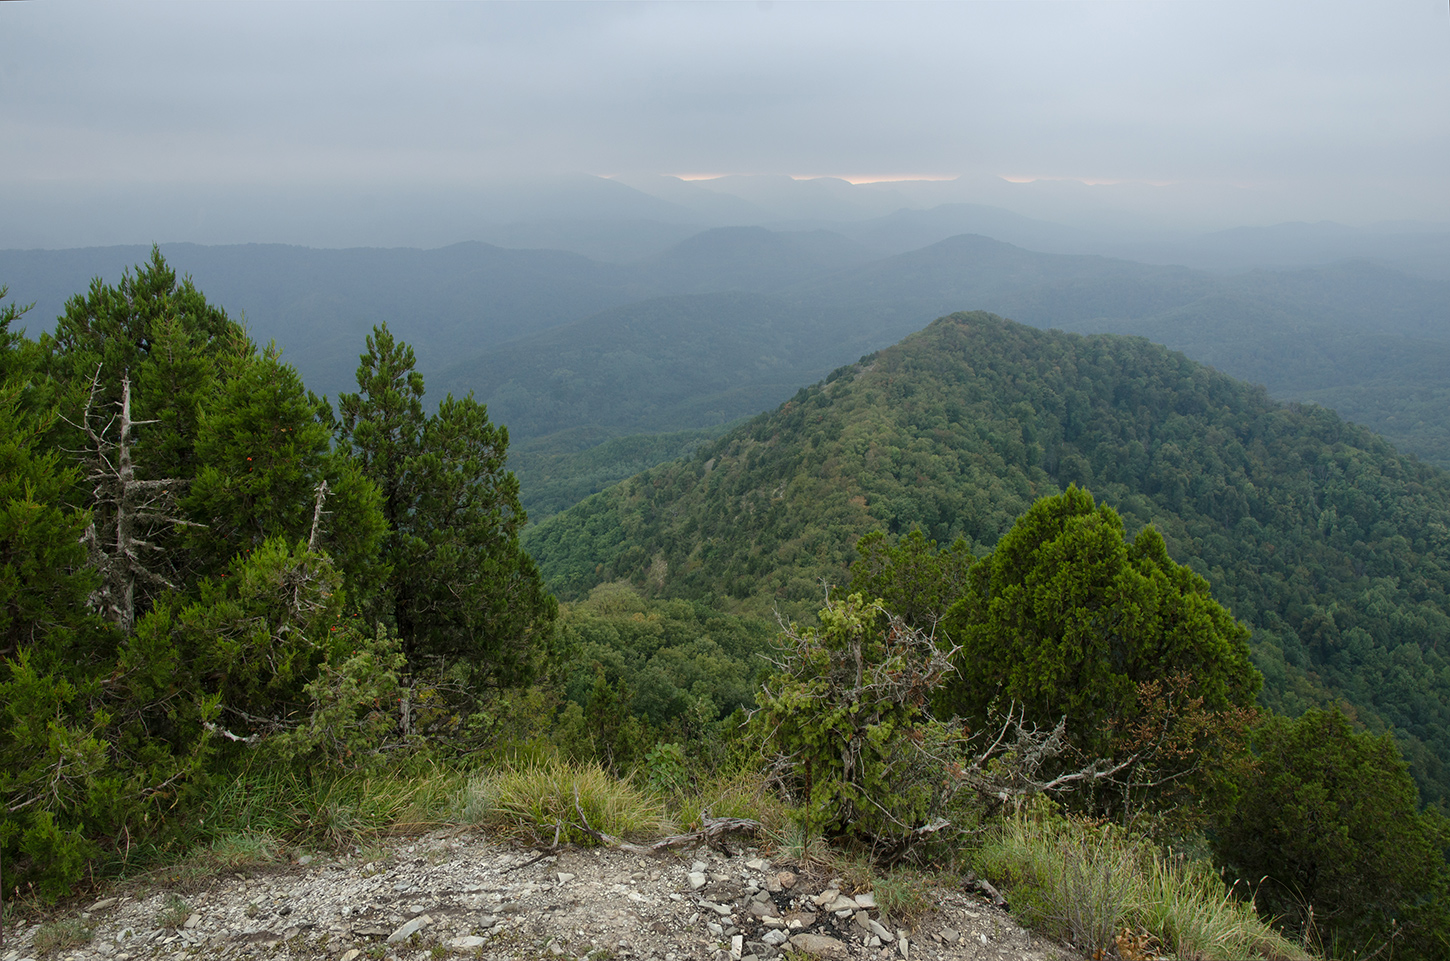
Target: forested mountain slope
[
  {"x": 1330, "y": 545},
  {"x": 663, "y": 365}
]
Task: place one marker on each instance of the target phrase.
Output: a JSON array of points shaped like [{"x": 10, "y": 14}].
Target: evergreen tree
[
  {"x": 1066, "y": 618},
  {"x": 162, "y": 335},
  {"x": 1328, "y": 833},
  {"x": 381, "y": 426},
  {"x": 45, "y": 584},
  {"x": 475, "y": 594},
  {"x": 268, "y": 470},
  {"x": 912, "y": 578},
  {"x": 137, "y": 362},
  {"x": 462, "y": 590}
]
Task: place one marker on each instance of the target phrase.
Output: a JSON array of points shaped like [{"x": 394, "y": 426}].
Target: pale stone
[
  {"x": 410, "y": 928},
  {"x": 819, "y": 945}
]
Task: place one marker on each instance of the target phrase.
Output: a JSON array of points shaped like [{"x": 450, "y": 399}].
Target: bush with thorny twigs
[{"x": 845, "y": 723}]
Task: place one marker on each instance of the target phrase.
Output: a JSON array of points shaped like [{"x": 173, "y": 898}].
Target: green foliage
[
  {"x": 352, "y": 722},
  {"x": 1066, "y": 618},
  {"x": 84, "y": 766},
  {"x": 173, "y": 344},
  {"x": 257, "y": 635},
  {"x": 265, "y": 449},
  {"x": 475, "y": 594},
  {"x": 1328, "y": 820},
  {"x": 225, "y": 537},
  {"x": 914, "y": 580},
  {"x": 687, "y": 667},
  {"x": 461, "y": 589},
  {"x": 155, "y": 342},
  {"x": 665, "y": 764},
  {"x": 844, "y": 724},
  {"x": 44, "y": 584},
  {"x": 559, "y": 471},
  {"x": 1331, "y": 548},
  {"x": 613, "y": 732}
]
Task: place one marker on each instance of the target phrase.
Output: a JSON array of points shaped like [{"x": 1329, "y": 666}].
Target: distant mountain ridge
[{"x": 1370, "y": 342}]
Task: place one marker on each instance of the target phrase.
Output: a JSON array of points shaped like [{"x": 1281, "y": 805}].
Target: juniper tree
[
  {"x": 1066, "y": 623},
  {"x": 1067, "y": 618},
  {"x": 268, "y": 470},
  {"x": 462, "y": 590},
  {"x": 150, "y": 351},
  {"x": 1328, "y": 832}
]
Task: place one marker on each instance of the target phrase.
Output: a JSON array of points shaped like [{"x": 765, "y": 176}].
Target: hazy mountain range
[{"x": 672, "y": 329}]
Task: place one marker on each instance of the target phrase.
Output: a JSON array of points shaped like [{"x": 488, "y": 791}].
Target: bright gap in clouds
[
  {"x": 849, "y": 178},
  {"x": 878, "y": 178}
]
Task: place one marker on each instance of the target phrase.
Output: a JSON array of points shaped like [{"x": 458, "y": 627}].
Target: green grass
[
  {"x": 260, "y": 809},
  {"x": 536, "y": 801},
  {"x": 1087, "y": 883},
  {"x": 174, "y": 912},
  {"x": 731, "y": 794},
  {"x": 61, "y": 935},
  {"x": 904, "y": 894}
]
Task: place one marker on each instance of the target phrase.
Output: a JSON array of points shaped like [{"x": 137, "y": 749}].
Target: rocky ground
[{"x": 426, "y": 898}]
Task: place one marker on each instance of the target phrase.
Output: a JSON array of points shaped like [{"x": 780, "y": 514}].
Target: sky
[{"x": 247, "y": 117}]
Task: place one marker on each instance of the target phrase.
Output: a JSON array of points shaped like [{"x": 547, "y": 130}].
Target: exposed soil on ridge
[{"x": 449, "y": 894}]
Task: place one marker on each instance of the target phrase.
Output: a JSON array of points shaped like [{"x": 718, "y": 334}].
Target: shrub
[{"x": 843, "y": 723}]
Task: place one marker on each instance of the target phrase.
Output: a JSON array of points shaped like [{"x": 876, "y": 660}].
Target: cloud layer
[{"x": 1332, "y": 109}]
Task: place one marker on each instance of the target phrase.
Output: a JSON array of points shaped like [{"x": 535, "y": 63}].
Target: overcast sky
[{"x": 1336, "y": 110}]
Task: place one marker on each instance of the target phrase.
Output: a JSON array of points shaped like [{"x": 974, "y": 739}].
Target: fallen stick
[
  {"x": 712, "y": 830},
  {"x": 986, "y": 888},
  {"x": 551, "y": 849}
]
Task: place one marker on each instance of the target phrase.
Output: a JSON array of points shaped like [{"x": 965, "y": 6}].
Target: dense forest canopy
[{"x": 1328, "y": 544}]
